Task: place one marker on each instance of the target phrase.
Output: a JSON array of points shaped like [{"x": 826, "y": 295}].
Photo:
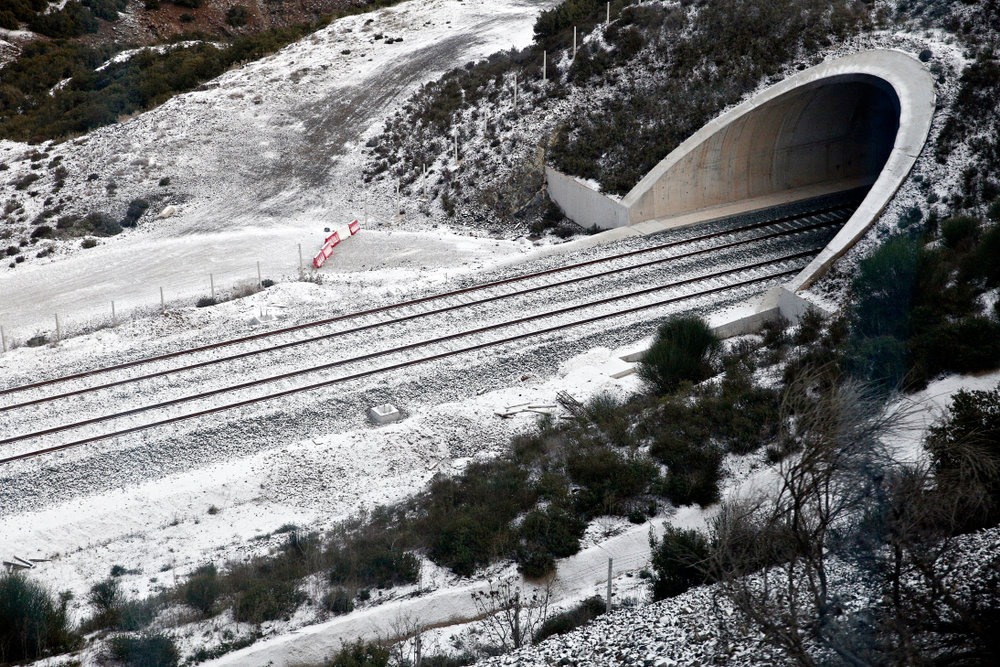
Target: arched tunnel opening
[{"x": 833, "y": 134}]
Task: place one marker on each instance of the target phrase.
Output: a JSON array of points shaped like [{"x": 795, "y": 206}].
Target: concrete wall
[{"x": 583, "y": 205}]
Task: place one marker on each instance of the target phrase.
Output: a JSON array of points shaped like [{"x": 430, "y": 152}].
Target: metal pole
[
  {"x": 300, "y": 257},
  {"x": 608, "y": 21},
  {"x": 515, "y": 91},
  {"x": 260, "y": 283},
  {"x": 114, "y": 318},
  {"x": 3, "y": 339},
  {"x": 545, "y": 63},
  {"x": 574, "y": 42},
  {"x": 211, "y": 282},
  {"x": 397, "y": 196},
  {"x": 163, "y": 302},
  {"x": 607, "y": 607},
  {"x": 455, "y": 136},
  {"x": 58, "y": 329}
]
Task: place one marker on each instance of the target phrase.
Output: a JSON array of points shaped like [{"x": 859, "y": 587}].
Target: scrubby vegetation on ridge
[
  {"x": 635, "y": 90},
  {"x": 53, "y": 90}
]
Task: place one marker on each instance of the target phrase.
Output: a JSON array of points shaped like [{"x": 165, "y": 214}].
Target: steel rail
[
  {"x": 403, "y": 348},
  {"x": 427, "y": 313},
  {"x": 386, "y": 369},
  {"x": 412, "y": 302}
]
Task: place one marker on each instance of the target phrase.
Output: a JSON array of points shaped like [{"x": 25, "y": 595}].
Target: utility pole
[{"x": 607, "y": 607}]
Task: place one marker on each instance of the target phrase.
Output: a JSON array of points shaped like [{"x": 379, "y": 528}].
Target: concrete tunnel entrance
[
  {"x": 853, "y": 123},
  {"x": 834, "y": 134}
]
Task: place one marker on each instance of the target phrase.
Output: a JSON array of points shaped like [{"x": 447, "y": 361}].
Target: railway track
[{"x": 427, "y": 349}]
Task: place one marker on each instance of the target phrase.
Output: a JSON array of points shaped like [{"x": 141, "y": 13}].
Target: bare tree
[
  {"x": 789, "y": 539},
  {"x": 511, "y": 615}
]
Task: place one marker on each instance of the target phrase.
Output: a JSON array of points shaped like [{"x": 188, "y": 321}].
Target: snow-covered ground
[{"x": 259, "y": 160}]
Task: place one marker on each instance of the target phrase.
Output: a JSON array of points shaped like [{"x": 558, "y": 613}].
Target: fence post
[
  {"x": 58, "y": 328},
  {"x": 114, "y": 318},
  {"x": 260, "y": 283},
  {"x": 608, "y": 21},
  {"x": 607, "y": 607},
  {"x": 300, "y": 258},
  {"x": 545, "y": 64},
  {"x": 3, "y": 339},
  {"x": 211, "y": 283},
  {"x": 163, "y": 302},
  {"x": 574, "y": 42}
]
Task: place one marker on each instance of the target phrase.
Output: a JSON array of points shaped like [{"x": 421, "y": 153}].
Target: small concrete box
[{"x": 385, "y": 414}]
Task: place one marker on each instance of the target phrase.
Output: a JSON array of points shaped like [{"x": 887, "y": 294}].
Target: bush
[
  {"x": 679, "y": 562},
  {"x": 101, "y": 224},
  {"x": 338, "y": 601},
  {"x": 202, "y": 589},
  {"x": 569, "y": 620},
  {"x": 693, "y": 471},
  {"x": 135, "y": 210},
  {"x": 73, "y": 20},
  {"x": 259, "y": 599},
  {"x": 608, "y": 479},
  {"x": 683, "y": 351},
  {"x": 205, "y": 302},
  {"x": 32, "y": 624},
  {"x": 151, "y": 650},
  {"x": 369, "y": 562},
  {"x": 361, "y": 654},
  {"x": 88, "y": 243},
  {"x": 107, "y": 599},
  {"x": 965, "y": 453},
  {"x": 267, "y": 282},
  {"x": 237, "y": 16},
  {"x": 959, "y": 232}
]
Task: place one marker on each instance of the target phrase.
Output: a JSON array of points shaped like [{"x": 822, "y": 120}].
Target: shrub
[
  {"x": 267, "y": 282},
  {"x": 237, "y": 16},
  {"x": 260, "y": 599},
  {"x": 965, "y": 452},
  {"x": 101, "y": 224},
  {"x": 959, "y": 232},
  {"x": 607, "y": 479},
  {"x": 73, "y": 20},
  {"x": 150, "y": 650},
  {"x": 32, "y": 624},
  {"x": 683, "y": 351},
  {"x": 135, "y": 210},
  {"x": 361, "y": 654},
  {"x": 202, "y": 589},
  {"x": 569, "y": 620},
  {"x": 679, "y": 562},
  {"x": 42, "y": 232},
  {"x": 107, "y": 599},
  {"x": 88, "y": 243},
  {"x": 205, "y": 302},
  {"x": 338, "y": 601},
  {"x": 693, "y": 471},
  {"x": 152, "y": 5},
  {"x": 372, "y": 561}
]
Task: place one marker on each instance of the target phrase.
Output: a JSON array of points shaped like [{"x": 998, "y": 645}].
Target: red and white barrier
[{"x": 331, "y": 241}]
